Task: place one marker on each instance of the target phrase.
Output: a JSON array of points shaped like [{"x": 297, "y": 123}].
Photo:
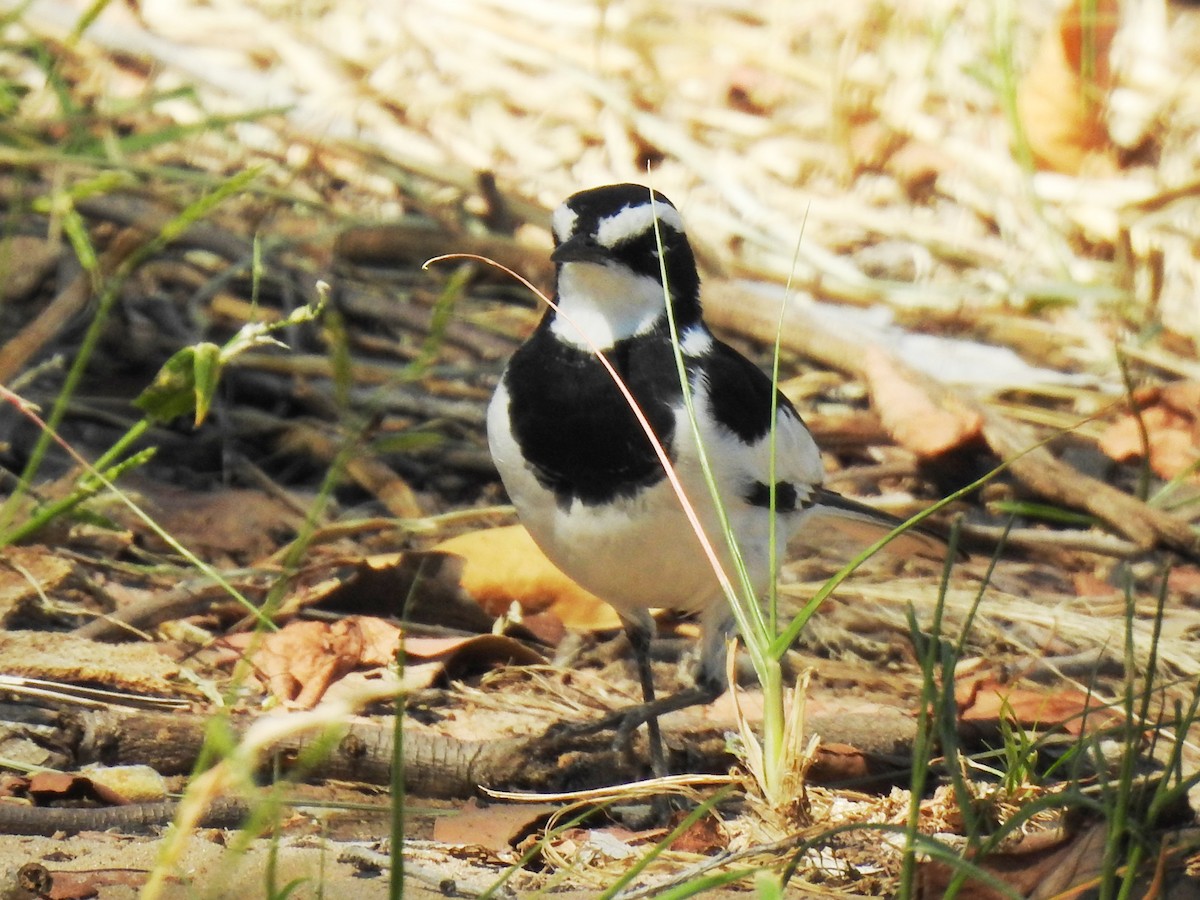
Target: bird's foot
[{"x": 622, "y": 722}]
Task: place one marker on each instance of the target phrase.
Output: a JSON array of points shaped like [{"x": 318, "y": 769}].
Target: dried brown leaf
[
  {"x": 913, "y": 418},
  {"x": 77, "y": 884},
  {"x": 985, "y": 700},
  {"x": 839, "y": 763},
  {"x": 497, "y": 826},
  {"x": 1171, "y": 418},
  {"x": 1060, "y": 101},
  {"x": 301, "y": 660},
  {"x": 476, "y": 653},
  {"x": 1042, "y": 872},
  {"x": 704, "y": 836}
]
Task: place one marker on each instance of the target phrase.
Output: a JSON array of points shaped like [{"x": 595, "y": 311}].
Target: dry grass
[
  {"x": 878, "y": 132},
  {"x": 874, "y": 137}
]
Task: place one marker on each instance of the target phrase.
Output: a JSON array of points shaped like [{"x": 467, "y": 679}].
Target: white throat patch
[{"x": 607, "y": 303}]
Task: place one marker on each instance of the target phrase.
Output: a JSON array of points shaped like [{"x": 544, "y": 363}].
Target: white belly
[{"x": 639, "y": 552}]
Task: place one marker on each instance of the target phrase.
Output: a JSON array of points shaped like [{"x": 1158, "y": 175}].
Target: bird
[{"x": 584, "y": 477}]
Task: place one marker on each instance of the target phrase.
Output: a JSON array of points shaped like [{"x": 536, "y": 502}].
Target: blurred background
[{"x": 945, "y": 156}]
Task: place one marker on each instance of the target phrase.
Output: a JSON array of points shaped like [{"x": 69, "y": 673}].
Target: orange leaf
[
  {"x": 705, "y": 836},
  {"x": 504, "y": 565},
  {"x": 984, "y": 700},
  {"x": 911, "y": 416},
  {"x": 301, "y": 660},
  {"x": 1171, "y": 417},
  {"x": 474, "y": 653},
  {"x": 1060, "y": 101}
]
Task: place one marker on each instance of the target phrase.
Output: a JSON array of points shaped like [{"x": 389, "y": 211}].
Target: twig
[
  {"x": 1042, "y": 538},
  {"x": 130, "y": 819},
  {"x": 63, "y": 309}
]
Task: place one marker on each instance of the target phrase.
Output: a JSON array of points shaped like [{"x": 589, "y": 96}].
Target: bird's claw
[{"x": 623, "y": 723}]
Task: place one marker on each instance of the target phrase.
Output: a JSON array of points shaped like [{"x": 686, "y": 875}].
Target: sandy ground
[
  {"x": 116, "y": 866},
  {"x": 211, "y": 871}
]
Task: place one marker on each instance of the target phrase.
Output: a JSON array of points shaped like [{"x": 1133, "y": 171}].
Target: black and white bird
[{"x": 585, "y": 478}]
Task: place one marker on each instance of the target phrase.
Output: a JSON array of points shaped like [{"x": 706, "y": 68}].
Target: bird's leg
[
  {"x": 625, "y": 721},
  {"x": 710, "y": 683},
  {"x": 639, "y": 640}
]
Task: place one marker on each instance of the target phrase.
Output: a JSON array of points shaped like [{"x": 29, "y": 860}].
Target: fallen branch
[
  {"x": 1037, "y": 469},
  {"x": 435, "y": 765},
  {"x": 131, "y": 819}
]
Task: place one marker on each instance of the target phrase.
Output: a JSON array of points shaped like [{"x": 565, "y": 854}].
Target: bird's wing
[{"x": 739, "y": 402}]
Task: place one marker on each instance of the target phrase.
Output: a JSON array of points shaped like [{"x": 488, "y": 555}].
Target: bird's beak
[{"x": 579, "y": 248}]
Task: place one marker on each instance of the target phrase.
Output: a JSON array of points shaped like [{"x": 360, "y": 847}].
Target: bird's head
[{"x": 608, "y": 262}]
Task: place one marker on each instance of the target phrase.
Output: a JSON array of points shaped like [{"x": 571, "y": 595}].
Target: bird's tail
[{"x": 864, "y": 525}]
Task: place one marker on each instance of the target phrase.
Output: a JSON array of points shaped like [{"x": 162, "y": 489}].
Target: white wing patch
[
  {"x": 739, "y": 465},
  {"x": 797, "y": 457},
  {"x": 696, "y": 341}
]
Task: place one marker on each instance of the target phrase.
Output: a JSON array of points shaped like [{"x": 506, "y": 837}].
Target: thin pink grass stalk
[
  {"x": 28, "y": 410},
  {"x": 676, "y": 485}
]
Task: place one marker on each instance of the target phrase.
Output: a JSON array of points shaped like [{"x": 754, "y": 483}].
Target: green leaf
[
  {"x": 1043, "y": 511},
  {"x": 206, "y": 368},
  {"x": 186, "y": 382},
  {"x": 95, "y": 519},
  {"x": 173, "y": 391}
]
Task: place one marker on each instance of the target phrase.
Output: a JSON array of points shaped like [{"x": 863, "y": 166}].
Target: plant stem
[{"x": 774, "y": 755}]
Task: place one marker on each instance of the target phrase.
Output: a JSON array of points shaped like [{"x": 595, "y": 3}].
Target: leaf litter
[{"x": 884, "y": 135}]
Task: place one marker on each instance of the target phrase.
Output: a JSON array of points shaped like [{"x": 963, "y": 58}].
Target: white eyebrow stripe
[
  {"x": 563, "y": 222},
  {"x": 636, "y": 220}
]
